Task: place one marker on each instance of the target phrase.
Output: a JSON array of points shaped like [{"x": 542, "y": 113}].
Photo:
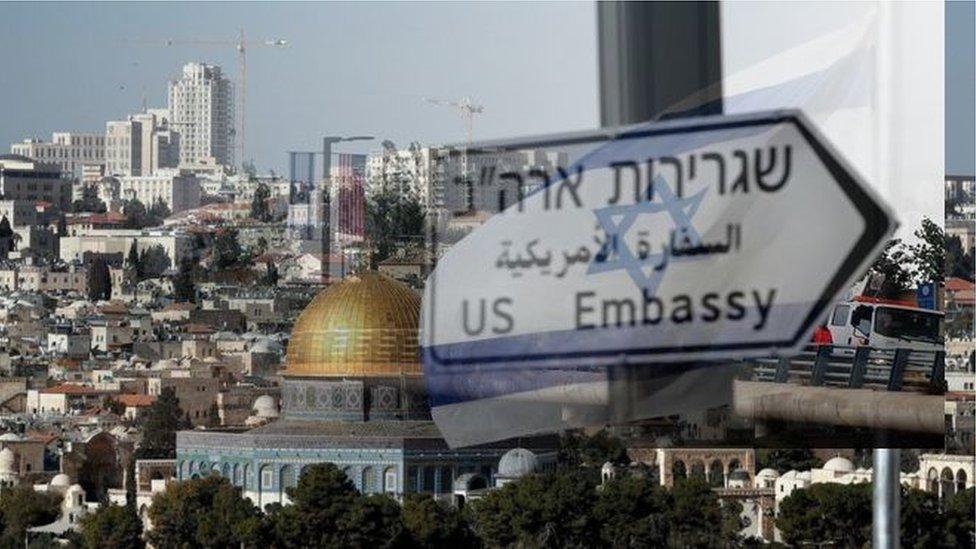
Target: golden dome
[{"x": 363, "y": 326}]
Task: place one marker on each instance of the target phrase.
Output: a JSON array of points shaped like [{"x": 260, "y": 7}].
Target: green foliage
[
  {"x": 89, "y": 201},
  {"x": 327, "y": 511},
  {"x": 787, "y": 459},
  {"x": 893, "y": 265},
  {"x": 112, "y": 527},
  {"x": 633, "y": 512},
  {"x": 838, "y": 514},
  {"x": 697, "y": 517},
  {"x": 161, "y": 422},
  {"x": 577, "y": 449},
  {"x": 394, "y": 217},
  {"x": 227, "y": 249},
  {"x": 204, "y": 512},
  {"x": 959, "y": 262},
  {"x": 137, "y": 216},
  {"x": 21, "y": 508},
  {"x": 960, "y": 522},
  {"x": 184, "y": 285},
  {"x": 928, "y": 253},
  {"x": 259, "y": 203},
  {"x": 152, "y": 262},
  {"x": 431, "y": 523},
  {"x": 554, "y": 509}
]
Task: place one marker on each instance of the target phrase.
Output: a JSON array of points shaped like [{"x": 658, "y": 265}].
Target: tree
[
  {"x": 89, "y": 201},
  {"x": 21, "y": 508},
  {"x": 327, "y": 511},
  {"x": 99, "y": 280},
  {"x": 929, "y": 252},
  {"x": 259, "y": 203},
  {"x": 555, "y": 509},
  {"x": 132, "y": 258},
  {"x": 788, "y": 459},
  {"x": 6, "y": 237},
  {"x": 959, "y": 262},
  {"x": 158, "y": 212},
  {"x": 891, "y": 264},
  {"x": 633, "y": 512},
  {"x": 271, "y": 274},
  {"x": 153, "y": 261},
  {"x": 431, "y": 523},
  {"x": 838, "y": 514},
  {"x": 577, "y": 449},
  {"x": 227, "y": 249},
  {"x": 394, "y": 216},
  {"x": 184, "y": 286},
  {"x": 161, "y": 422},
  {"x": 135, "y": 213},
  {"x": 112, "y": 526},
  {"x": 921, "y": 519},
  {"x": 697, "y": 517},
  {"x": 960, "y": 524},
  {"x": 203, "y": 512}
]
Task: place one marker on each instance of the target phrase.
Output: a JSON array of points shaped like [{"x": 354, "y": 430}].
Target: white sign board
[{"x": 706, "y": 238}]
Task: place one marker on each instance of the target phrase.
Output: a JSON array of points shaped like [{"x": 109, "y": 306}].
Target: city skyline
[{"x": 407, "y": 53}]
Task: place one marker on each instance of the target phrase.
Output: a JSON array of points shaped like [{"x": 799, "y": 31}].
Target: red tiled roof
[
  {"x": 138, "y": 401},
  {"x": 956, "y": 284},
  {"x": 71, "y": 389}
]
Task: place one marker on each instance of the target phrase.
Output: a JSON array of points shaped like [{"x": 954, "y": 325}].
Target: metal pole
[
  {"x": 886, "y": 524},
  {"x": 655, "y": 58}
]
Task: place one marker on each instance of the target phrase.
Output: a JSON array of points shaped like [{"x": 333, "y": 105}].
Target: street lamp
[{"x": 327, "y": 244}]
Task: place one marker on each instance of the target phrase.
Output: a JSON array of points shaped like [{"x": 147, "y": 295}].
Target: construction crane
[
  {"x": 241, "y": 45},
  {"x": 465, "y": 107}
]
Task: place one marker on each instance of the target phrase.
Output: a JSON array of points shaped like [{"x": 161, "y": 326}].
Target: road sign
[
  {"x": 706, "y": 238},
  {"x": 925, "y": 295}
]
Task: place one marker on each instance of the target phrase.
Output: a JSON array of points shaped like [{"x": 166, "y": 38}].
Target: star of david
[{"x": 617, "y": 220}]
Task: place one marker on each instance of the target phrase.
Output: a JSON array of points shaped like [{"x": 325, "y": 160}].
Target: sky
[{"x": 353, "y": 69}]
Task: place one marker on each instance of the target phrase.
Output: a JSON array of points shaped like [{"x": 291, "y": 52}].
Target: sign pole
[
  {"x": 886, "y": 524},
  {"x": 653, "y": 56}
]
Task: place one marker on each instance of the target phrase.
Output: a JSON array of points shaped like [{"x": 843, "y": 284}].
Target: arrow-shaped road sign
[{"x": 708, "y": 238}]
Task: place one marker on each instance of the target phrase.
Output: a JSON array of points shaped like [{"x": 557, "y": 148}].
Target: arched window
[
  {"x": 429, "y": 476},
  {"x": 961, "y": 481},
  {"x": 390, "y": 480},
  {"x": 411, "y": 483},
  {"x": 267, "y": 478},
  {"x": 679, "y": 470},
  {"x": 698, "y": 469},
  {"x": 716, "y": 475},
  {"x": 225, "y": 471},
  {"x": 248, "y": 480},
  {"x": 445, "y": 479},
  {"x": 948, "y": 484},
  {"x": 369, "y": 480},
  {"x": 238, "y": 478},
  {"x": 287, "y": 478},
  {"x": 932, "y": 480}
]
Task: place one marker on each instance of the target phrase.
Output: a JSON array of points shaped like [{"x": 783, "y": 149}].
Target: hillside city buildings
[{"x": 252, "y": 299}]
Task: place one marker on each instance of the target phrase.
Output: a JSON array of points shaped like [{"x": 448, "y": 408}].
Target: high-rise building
[
  {"x": 201, "y": 106},
  {"x": 123, "y": 147},
  {"x": 70, "y": 151},
  {"x": 160, "y": 142},
  {"x": 405, "y": 170}
]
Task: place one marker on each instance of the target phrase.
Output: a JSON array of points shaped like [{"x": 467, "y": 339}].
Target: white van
[{"x": 886, "y": 326}]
